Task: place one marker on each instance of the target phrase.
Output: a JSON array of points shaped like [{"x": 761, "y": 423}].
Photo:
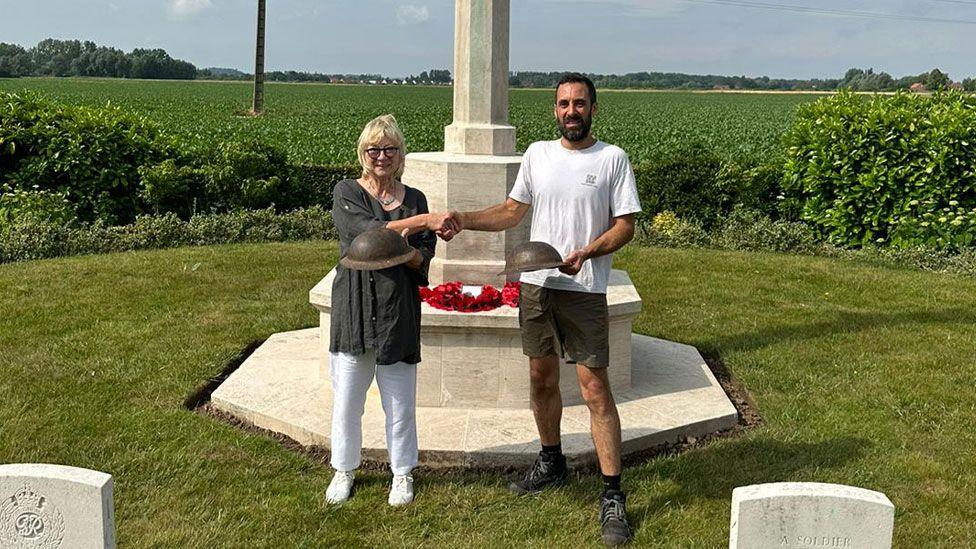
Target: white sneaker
[
  {"x": 340, "y": 487},
  {"x": 401, "y": 493}
]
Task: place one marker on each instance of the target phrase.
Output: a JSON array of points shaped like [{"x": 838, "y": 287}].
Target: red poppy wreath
[{"x": 450, "y": 296}]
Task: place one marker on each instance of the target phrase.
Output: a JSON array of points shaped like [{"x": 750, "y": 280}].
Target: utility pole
[{"x": 258, "y": 107}]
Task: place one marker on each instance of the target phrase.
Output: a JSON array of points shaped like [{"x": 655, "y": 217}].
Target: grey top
[{"x": 377, "y": 309}]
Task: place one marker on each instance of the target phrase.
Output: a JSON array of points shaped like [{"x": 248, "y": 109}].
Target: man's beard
[{"x": 579, "y": 133}]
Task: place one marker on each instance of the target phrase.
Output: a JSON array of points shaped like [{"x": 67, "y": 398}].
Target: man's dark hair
[{"x": 577, "y": 78}]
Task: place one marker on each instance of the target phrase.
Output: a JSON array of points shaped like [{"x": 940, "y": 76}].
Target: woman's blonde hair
[{"x": 377, "y": 129}]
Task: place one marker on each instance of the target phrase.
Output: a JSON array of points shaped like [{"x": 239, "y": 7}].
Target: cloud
[
  {"x": 662, "y": 8},
  {"x": 301, "y": 14},
  {"x": 653, "y": 8},
  {"x": 182, "y": 9},
  {"x": 408, "y": 14}
]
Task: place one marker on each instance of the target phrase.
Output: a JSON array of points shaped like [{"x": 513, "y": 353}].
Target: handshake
[{"x": 445, "y": 225}]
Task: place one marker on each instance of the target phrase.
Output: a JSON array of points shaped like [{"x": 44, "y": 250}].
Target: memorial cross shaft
[
  {"x": 478, "y": 165},
  {"x": 481, "y": 80}
]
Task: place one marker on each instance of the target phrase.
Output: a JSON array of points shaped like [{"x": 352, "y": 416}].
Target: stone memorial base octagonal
[{"x": 672, "y": 395}]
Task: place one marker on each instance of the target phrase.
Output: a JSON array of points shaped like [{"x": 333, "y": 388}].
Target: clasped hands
[{"x": 446, "y": 225}]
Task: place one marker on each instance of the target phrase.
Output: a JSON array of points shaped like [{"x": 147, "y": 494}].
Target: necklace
[
  {"x": 374, "y": 190},
  {"x": 390, "y": 199}
]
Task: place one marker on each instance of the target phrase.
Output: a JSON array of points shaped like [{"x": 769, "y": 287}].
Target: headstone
[
  {"x": 798, "y": 515},
  {"x": 55, "y": 506}
]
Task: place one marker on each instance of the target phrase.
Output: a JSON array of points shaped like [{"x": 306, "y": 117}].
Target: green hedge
[
  {"x": 238, "y": 175},
  {"x": 313, "y": 184},
  {"x": 36, "y": 239},
  {"x": 44, "y": 156},
  {"x": 231, "y": 175},
  {"x": 20, "y": 204},
  {"x": 742, "y": 229},
  {"x": 696, "y": 183},
  {"x": 750, "y": 230},
  {"x": 91, "y": 155},
  {"x": 897, "y": 170},
  {"x": 109, "y": 167},
  {"x": 887, "y": 170}
]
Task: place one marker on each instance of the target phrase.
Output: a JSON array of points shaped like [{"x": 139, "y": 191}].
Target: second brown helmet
[{"x": 532, "y": 256}]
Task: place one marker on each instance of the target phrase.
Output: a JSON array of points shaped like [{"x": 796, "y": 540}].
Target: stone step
[{"x": 672, "y": 395}]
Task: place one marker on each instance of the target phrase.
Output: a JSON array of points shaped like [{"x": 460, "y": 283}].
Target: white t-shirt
[{"x": 574, "y": 196}]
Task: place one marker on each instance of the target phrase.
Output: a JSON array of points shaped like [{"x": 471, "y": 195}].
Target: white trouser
[{"x": 351, "y": 377}]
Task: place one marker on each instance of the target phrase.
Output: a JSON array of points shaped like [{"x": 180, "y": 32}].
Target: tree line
[
  {"x": 433, "y": 76},
  {"x": 855, "y": 80},
  {"x": 219, "y": 73},
  {"x": 868, "y": 80},
  {"x": 52, "y": 57},
  {"x": 674, "y": 81}
]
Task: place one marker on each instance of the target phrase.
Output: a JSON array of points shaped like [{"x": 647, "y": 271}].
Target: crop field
[{"x": 319, "y": 124}]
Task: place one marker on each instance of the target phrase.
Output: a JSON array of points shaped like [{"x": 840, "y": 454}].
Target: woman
[{"x": 375, "y": 328}]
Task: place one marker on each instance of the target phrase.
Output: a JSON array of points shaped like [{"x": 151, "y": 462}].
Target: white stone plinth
[
  {"x": 475, "y": 359},
  {"x": 48, "y": 506},
  {"x": 809, "y": 514},
  {"x": 672, "y": 395},
  {"x": 468, "y": 183}
]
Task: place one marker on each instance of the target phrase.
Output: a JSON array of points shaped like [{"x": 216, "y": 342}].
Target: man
[{"x": 583, "y": 197}]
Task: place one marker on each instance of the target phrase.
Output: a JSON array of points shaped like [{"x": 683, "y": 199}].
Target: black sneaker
[
  {"x": 613, "y": 518},
  {"x": 545, "y": 472}
]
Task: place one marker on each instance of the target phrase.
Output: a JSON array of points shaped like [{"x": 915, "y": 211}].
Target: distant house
[
  {"x": 956, "y": 86},
  {"x": 918, "y": 87},
  {"x": 721, "y": 87}
]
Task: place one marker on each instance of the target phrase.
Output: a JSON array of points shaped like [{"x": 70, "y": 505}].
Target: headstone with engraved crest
[{"x": 46, "y": 506}]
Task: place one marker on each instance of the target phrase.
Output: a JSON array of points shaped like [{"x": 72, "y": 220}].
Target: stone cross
[
  {"x": 480, "y": 80},
  {"x": 478, "y": 165}
]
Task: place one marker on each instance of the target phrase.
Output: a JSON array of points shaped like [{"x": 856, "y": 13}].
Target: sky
[{"x": 789, "y": 38}]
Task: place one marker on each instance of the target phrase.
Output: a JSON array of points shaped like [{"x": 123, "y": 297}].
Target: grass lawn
[{"x": 864, "y": 375}]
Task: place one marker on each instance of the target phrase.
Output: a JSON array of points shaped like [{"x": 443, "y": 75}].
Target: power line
[{"x": 838, "y": 12}]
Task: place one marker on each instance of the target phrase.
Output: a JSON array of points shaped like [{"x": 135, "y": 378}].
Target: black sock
[
  {"x": 611, "y": 483},
  {"x": 553, "y": 451}
]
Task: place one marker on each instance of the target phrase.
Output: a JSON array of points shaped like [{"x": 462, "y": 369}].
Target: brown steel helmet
[
  {"x": 532, "y": 256},
  {"x": 377, "y": 249}
]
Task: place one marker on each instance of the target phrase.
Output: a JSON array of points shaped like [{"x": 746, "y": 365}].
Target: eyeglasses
[{"x": 390, "y": 152}]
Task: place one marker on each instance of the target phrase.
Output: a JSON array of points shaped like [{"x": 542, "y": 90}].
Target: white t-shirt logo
[{"x": 590, "y": 180}]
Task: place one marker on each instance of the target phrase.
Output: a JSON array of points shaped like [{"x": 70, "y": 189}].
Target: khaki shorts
[{"x": 577, "y": 321}]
